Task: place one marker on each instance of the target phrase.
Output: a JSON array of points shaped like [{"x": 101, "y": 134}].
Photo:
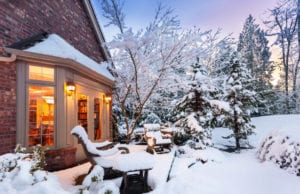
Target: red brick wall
[
  {"x": 21, "y": 19},
  {"x": 7, "y": 107},
  {"x": 60, "y": 159}
]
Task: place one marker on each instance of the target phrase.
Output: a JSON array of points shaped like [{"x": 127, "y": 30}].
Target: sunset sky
[{"x": 205, "y": 14}]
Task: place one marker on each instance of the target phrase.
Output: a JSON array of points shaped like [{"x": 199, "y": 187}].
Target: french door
[{"x": 89, "y": 113}]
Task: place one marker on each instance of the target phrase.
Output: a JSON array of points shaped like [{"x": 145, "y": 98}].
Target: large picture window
[{"x": 41, "y": 115}]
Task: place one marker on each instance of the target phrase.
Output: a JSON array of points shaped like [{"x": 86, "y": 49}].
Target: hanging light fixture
[{"x": 70, "y": 88}]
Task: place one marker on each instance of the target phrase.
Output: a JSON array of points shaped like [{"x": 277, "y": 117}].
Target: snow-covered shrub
[
  {"x": 180, "y": 137},
  {"x": 150, "y": 118},
  {"x": 282, "y": 150},
  {"x": 38, "y": 158},
  {"x": 22, "y": 173},
  {"x": 93, "y": 183}
]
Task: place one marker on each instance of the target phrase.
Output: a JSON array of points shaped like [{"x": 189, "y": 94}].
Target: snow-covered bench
[
  {"x": 111, "y": 159},
  {"x": 101, "y": 154},
  {"x": 156, "y": 140}
]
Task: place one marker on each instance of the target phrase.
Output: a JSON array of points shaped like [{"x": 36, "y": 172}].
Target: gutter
[{"x": 10, "y": 59}]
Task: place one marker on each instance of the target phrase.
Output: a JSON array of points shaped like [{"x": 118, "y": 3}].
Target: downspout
[{"x": 9, "y": 59}]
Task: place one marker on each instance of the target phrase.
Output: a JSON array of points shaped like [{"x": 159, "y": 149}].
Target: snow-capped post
[
  {"x": 241, "y": 98},
  {"x": 143, "y": 59}
]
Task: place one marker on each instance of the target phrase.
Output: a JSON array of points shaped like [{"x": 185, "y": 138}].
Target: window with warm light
[
  {"x": 41, "y": 73},
  {"x": 41, "y": 116},
  {"x": 41, "y": 105}
]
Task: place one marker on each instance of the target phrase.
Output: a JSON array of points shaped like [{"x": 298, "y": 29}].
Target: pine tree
[
  {"x": 241, "y": 100},
  {"x": 253, "y": 46},
  {"x": 194, "y": 111}
]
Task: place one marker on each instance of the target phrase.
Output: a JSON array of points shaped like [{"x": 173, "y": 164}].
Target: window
[
  {"x": 41, "y": 106},
  {"x": 41, "y": 115},
  {"x": 41, "y": 73}
]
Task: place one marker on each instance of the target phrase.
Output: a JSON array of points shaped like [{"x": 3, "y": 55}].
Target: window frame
[{"x": 40, "y": 83}]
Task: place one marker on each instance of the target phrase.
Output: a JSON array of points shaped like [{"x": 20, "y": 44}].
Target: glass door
[
  {"x": 89, "y": 114},
  {"x": 97, "y": 120},
  {"x": 41, "y": 116},
  {"x": 83, "y": 111}
]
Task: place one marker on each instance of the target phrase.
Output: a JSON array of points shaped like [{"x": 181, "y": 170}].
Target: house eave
[{"x": 62, "y": 62}]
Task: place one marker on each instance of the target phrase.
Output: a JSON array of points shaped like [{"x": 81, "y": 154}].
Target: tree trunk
[
  {"x": 236, "y": 131},
  {"x": 287, "y": 89}
]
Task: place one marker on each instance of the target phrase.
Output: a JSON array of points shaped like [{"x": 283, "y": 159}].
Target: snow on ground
[
  {"x": 67, "y": 177},
  {"x": 236, "y": 173},
  {"x": 222, "y": 173}
]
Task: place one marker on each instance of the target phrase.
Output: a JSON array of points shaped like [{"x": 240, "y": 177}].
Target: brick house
[{"x": 52, "y": 77}]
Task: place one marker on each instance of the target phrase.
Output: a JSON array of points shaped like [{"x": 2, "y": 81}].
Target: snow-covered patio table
[{"x": 133, "y": 163}]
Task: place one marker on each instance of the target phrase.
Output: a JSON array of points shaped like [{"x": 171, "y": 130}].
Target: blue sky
[{"x": 205, "y": 14}]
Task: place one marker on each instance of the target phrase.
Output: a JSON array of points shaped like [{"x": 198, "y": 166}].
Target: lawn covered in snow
[{"x": 235, "y": 173}]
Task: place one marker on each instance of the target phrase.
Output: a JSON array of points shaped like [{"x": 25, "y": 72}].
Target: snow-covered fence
[{"x": 282, "y": 150}]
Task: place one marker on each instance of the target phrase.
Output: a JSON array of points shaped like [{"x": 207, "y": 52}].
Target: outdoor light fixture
[
  {"x": 107, "y": 99},
  {"x": 70, "y": 88}
]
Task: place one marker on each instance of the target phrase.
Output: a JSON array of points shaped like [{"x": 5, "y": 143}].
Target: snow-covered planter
[{"x": 282, "y": 150}]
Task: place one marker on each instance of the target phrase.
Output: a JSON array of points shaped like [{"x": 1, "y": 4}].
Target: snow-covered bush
[
  {"x": 150, "y": 117},
  {"x": 22, "y": 173},
  {"x": 93, "y": 183},
  {"x": 282, "y": 150}
]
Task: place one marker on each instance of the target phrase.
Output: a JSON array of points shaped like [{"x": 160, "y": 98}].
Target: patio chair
[
  {"x": 101, "y": 154},
  {"x": 156, "y": 140}
]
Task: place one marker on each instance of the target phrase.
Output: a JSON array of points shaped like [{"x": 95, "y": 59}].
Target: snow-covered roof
[{"x": 56, "y": 46}]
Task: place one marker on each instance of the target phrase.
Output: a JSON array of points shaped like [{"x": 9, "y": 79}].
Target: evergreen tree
[
  {"x": 195, "y": 112},
  {"x": 253, "y": 46},
  {"x": 241, "y": 100}
]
